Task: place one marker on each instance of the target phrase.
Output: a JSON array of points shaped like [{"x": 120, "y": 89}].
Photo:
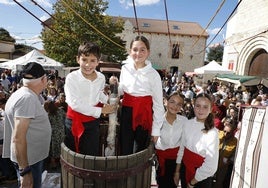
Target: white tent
[
  {"x": 213, "y": 68},
  {"x": 34, "y": 55}
]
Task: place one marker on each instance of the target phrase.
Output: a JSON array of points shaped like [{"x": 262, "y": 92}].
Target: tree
[
  {"x": 74, "y": 22},
  {"x": 215, "y": 53},
  {"x": 5, "y": 36}
]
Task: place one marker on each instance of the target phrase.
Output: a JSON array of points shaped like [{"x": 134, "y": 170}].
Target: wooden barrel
[{"x": 125, "y": 171}]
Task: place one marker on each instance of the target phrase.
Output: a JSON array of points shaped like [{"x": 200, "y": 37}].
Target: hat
[{"x": 32, "y": 70}]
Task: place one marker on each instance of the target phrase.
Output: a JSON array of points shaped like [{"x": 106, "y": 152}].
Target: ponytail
[{"x": 209, "y": 122}]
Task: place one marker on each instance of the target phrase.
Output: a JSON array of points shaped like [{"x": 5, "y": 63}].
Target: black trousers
[
  {"x": 90, "y": 139},
  {"x": 128, "y": 137},
  {"x": 206, "y": 183},
  {"x": 167, "y": 181}
]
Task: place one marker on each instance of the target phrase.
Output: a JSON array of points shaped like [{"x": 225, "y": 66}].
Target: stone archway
[
  {"x": 253, "y": 55},
  {"x": 259, "y": 64}
]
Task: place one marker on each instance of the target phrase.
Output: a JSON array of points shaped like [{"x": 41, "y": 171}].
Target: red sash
[
  {"x": 77, "y": 124},
  {"x": 142, "y": 110},
  {"x": 192, "y": 161},
  {"x": 162, "y": 155}
]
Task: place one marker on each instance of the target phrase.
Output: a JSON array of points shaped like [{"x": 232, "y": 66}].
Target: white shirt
[
  {"x": 144, "y": 82},
  {"x": 204, "y": 144},
  {"x": 82, "y": 94},
  {"x": 170, "y": 135}
]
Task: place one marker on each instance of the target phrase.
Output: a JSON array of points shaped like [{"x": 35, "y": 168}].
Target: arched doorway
[{"x": 259, "y": 64}]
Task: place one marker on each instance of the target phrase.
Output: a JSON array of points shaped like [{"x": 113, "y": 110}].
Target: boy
[{"x": 84, "y": 93}]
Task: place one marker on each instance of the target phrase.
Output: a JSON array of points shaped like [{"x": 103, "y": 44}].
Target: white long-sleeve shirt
[
  {"x": 203, "y": 144},
  {"x": 82, "y": 94},
  {"x": 170, "y": 135},
  {"x": 144, "y": 82}
]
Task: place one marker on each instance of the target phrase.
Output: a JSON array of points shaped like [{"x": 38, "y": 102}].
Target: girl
[
  {"x": 142, "y": 104},
  {"x": 198, "y": 155},
  {"x": 168, "y": 143}
]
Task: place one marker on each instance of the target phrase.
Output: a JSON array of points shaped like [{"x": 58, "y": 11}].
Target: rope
[
  {"x": 167, "y": 21},
  {"x": 221, "y": 27},
  {"x": 217, "y": 11},
  {"x": 133, "y": 2},
  {"x": 39, "y": 19}
]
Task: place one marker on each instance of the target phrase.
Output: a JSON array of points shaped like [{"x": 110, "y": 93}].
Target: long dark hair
[{"x": 209, "y": 121}]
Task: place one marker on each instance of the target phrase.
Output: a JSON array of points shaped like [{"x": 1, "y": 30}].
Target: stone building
[
  {"x": 181, "y": 48},
  {"x": 6, "y": 50},
  {"x": 246, "y": 43}
]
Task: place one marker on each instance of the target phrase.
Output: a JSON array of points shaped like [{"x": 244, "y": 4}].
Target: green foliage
[
  {"x": 215, "y": 53},
  {"x": 5, "y": 36},
  {"x": 74, "y": 23}
]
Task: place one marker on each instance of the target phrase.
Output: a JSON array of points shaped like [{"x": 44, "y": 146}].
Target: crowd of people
[{"x": 194, "y": 128}]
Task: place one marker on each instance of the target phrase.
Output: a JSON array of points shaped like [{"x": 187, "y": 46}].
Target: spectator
[
  {"x": 7, "y": 169},
  {"x": 27, "y": 128},
  {"x": 52, "y": 94},
  {"x": 227, "y": 148},
  {"x": 5, "y": 82},
  {"x": 61, "y": 103},
  {"x": 56, "y": 118}
]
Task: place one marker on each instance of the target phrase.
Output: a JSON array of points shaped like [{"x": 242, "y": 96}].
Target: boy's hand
[{"x": 113, "y": 80}]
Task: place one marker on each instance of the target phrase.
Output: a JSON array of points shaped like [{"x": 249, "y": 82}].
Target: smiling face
[
  {"x": 202, "y": 108},
  {"x": 174, "y": 104},
  {"x": 139, "y": 53},
  {"x": 88, "y": 64}
]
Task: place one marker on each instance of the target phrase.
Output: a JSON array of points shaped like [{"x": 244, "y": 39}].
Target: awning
[{"x": 239, "y": 79}]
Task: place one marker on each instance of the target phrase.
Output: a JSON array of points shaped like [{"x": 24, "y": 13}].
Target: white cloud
[
  {"x": 129, "y": 3},
  {"x": 7, "y": 2},
  {"x": 44, "y": 17},
  {"x": 213, "y": 31},
  {"x": 43, "y": 3}
]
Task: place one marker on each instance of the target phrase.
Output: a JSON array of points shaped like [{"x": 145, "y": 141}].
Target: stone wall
[
  {"x": 246, "y": 34},
  {"x": 191, "y": 48}
]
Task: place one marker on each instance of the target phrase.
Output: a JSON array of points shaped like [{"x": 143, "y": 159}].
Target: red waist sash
[
  {"x": 192, "y": 161},
  {"x": 77, "y": 124},
  {"x": 142, "y": 113},
  {"x": 162, "y": 155}
]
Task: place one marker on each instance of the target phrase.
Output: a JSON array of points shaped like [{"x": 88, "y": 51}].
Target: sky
[{"x": 25, "y": 28}]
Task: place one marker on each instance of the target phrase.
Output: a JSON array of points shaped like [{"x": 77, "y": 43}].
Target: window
[
  {"x": 176, "y": 27},
  {"x": 175, "y": 51},
  {"x": 146, "y": 25}
]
